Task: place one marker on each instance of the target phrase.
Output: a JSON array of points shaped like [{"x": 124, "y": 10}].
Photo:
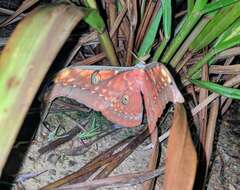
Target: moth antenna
[{"x": 138, "y": 58}]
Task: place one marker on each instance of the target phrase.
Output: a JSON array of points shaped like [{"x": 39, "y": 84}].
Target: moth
[{"x": 119, "y": 93}]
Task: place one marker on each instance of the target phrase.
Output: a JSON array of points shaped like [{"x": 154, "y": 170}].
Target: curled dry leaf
[{"x": 181, "y": 161}]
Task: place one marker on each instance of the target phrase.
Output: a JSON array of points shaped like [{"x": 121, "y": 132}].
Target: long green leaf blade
[
  {"x": 24, "y": 62},
  {"x": 214, "y": 51},
  {"x": 190, "y": 5},
  {"x": 219, "y": 89},
  {"x": 220, "y": 22},
  {"x": 95, "y": 21},
  {"x": 234, "y": 41},
  {"x": 231, "y": 32},
  {"x": 218, "y": 4},
  {"x": 186, "y": 28},
  {"x": 167, "y": 18},
  {"x": 150, "y": 36},
  {"x": 167, "y": 25}
]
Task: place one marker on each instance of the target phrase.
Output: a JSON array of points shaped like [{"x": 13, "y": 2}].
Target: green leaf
[
  {"x": 214, "y": 51},
  {"x": 190, "y": 5},
  {"x": 199, "y": 5},
  {"x": 167, "y": 18},
  {"x": 119, "y": 6},
  {"x": 185, "y": 46},
  {"x": 197, "y": 66},
  {"x": 232, "y": 31},
  {"x": 24, "y": 62},
  {"x": 219, "y": 89},
  {"x": 219, "y": 23},
  {"x": 95, "y": 21},
  {"x": 91, "y": 3},
  {"x": 235, "y": 40},
  {"x": 167, "y": 26},
  {"x": 186, "y": 28},
  {"x": 148, "y": 40},
  {"x": 218, "y": 4}
]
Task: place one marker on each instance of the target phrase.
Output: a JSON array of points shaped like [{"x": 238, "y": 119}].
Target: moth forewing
[{"x": 177, "y": 95}]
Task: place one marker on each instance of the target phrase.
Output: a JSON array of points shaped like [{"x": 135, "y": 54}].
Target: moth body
[{"x": 120, "y": 92}]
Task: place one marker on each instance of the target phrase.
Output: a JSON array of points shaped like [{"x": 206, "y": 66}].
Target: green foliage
[
  {"x": 217, "y": 5},
  {"x": 229, "y": 39},
  {"x": 150, "y": 36},
  {"x": 95, "y": 21},
  {"x": 167, "y": 27},
  {"x": 24, "y": 63},
  {"x": 224, "y": 91},
  {"x": 95, "y": 125},
  {"x": 218, "y": 24}
]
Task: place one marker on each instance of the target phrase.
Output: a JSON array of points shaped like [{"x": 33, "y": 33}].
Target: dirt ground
[
  {"x": 224, "y": 173},
  {"x": 61, "y": 161}
]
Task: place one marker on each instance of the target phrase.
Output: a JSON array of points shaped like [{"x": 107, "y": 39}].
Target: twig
[
  {"x": 92, "y": 36},
  {"x": 78, "y": 125},
  {"x": 228, "y": 61},
  {"x": 211, "y": 131},
  {"x": 184, "y": 61},
  {"x": 118, "y": 20},
  {"x": 83, "y": 40},
  {"x": 94, "y": 59},
  {"x": 163, "y": 137},
  {"x": 228, "y": 53},
  {"x": 10, "y": 12},
  {"x": 24, "y": 177},
  {"x": 82, "y": 149},
  {"x": 226, "y": 102},
  {"x": 180, "y": 14},
  {"x": 226, "y": 106},
  {"x": 226, "y": 69},
  {"x": 24, "y": 6},
  {"x": 152, "y": 164},
  {"x": 54, "y": 144},
  {"x": 133, "y": 18},
  {"x": 111, "y": 11},
  {"x": 3, "y": 41},
  {"x": 123, "y": 154},
  {"x": 71, "y": 106},
  {"x": 145, "y": 22},
  {"x": 90, "y": 167},
  {"x": 203, "y": 113},
  {"x": 117, "y": 181}
]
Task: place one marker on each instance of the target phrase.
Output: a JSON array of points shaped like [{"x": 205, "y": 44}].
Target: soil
[{"x": 224, "y": 172}]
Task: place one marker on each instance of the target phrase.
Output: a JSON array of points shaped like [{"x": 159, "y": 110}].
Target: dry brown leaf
[
  {"x": 203, "y": 114},
  {"x": 23, "y": 7},
  {"x": 181, "y": 163}
]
